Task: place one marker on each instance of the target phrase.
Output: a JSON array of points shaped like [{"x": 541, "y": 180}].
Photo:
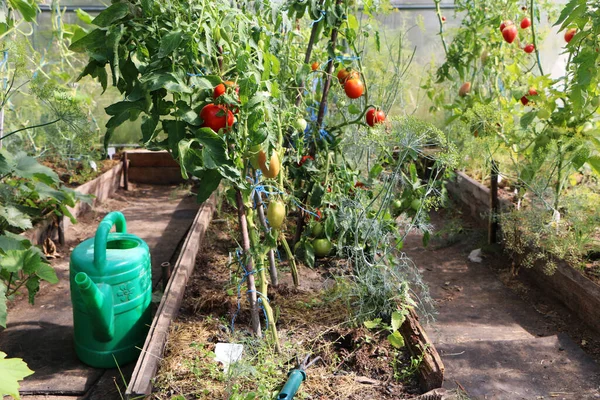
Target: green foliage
[
  {"x": 12, "y": 370},
  {"x": 394, "y": 337}
]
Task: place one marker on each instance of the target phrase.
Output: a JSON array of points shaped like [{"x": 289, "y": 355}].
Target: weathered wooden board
[
  {"x": 147, "y": 365},
  {"x": 431, "y": 370},
  {"x": 147, "y": 158},
  {"x": 155, "y": 175}
]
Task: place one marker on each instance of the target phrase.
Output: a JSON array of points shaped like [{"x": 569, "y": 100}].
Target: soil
[{"x": 356, "y": 363}]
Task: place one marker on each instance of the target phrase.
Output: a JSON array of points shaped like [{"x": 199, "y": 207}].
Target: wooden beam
[{"x": 431, "y": 369}]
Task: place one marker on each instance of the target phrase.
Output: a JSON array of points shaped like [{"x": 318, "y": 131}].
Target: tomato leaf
[
  {"x": 309, "y": 254},
  {"x": 594, "y": 162},
  {"x": 111, "y": 14},
  {"x": 209, "y": 182},
  {"x": 214, "y": 152},
  {"x": 84, "y": 16},
  {"x": 28, "y": 9},
  {"x": 94, "y": 44},
  {"x": 149, "y": 124},
  {"x": 528, "y": 118},
  {"x": 169, "y": 43}
]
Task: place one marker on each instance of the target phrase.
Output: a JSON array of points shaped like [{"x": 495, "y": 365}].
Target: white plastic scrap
[
  {"x": 475, "y": 256},
  {"x": 228, "y": 353}
]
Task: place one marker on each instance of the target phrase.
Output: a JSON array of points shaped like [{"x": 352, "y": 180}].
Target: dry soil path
[
  {"x": 43, "y": 334},
  {"x": 493, "y": 343}
]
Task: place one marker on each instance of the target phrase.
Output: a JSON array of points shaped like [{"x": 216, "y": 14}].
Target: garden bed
[
  {"x": 568, "y": 285},
  {"x": 358, "y": 363}
]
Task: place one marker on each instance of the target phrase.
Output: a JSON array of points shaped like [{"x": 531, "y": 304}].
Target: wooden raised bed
[
  {"x": 148, "y": 362},
  {"x": 573, "y": 289}
]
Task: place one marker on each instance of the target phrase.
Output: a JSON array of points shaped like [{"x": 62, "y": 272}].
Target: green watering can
[{"x": 111, "y": 291}]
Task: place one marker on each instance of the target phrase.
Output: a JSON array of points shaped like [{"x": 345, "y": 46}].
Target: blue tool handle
[{"x": 296, "y": 377}]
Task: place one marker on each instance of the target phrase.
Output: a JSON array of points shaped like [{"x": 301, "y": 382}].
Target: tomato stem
[
  {"x": 537, "y": 52},
  {"x": 249, "y": 265},
  {"x": 438, "y": 11}
]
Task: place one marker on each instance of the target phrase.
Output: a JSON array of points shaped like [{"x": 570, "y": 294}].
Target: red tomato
[
  {"x": 354, "y": 88},
  {"x": 525, "y": 23},
  {"x": 305, "y": 159},
  {"x": 344, "y": 74},
  {"x": 505, "y": 23},
  {"x": 216, "y": 117},
  {"x": 361, "y": 185},
  {"x": 221, "y": 88},
  {"x": 569, "y": 34},
  {"x": 532, "y": 92},
  {"x": 314, "y": 66},
  {"x": 509, "y": 33},
  {"x": 375, "y": 116},
  {"x": 530, "y": 48},
  {"x": 443, "y": 19}
]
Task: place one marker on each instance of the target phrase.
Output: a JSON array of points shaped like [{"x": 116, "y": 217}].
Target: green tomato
[
  {"x": 318, "y": 229},
  {"x": 415, "y": 204},
  {"x": 396, "y": 207},
  {"x": 276, "y": 214},
  {"x": 322, "y": 247},
  {"x": 300, "y": 124}
]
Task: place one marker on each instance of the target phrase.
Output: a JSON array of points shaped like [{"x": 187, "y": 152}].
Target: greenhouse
[{"x": 299, "y": 199}]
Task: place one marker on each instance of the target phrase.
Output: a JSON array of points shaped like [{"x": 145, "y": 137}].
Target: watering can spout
[{"x": 99, "y": 305}]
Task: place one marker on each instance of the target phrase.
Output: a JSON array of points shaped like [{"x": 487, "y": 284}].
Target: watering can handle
[{"x": 114, "y": 218}]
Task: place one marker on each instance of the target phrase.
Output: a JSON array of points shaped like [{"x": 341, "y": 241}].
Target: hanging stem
[
  {"x": 326, "y": 86},
  {"x": 249, "y": 267},
  {"x": 311, "y": 43},
  {"x": 438, "y": 11},
  {"x": 271, "y": 319},
  {"x": 291, "y": 259},
  {"x": 537, "y": 52}
]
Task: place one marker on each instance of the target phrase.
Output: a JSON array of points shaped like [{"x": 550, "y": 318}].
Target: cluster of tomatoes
[
  {"x": 509, "y": 32},
  {"x": 217, "y": 116},
  {"x": 354, "y": 88}
]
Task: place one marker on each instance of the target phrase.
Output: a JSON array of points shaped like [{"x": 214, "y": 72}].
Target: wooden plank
[
  {"x": 147, "y": 364},
  {"x": 431, "y": 369},
  {"x": 572, "y": 288},
  {"x": 146, "y": 158},
  {"x": 155, "y": 175},
  {"x": 125, "y": 171}
]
